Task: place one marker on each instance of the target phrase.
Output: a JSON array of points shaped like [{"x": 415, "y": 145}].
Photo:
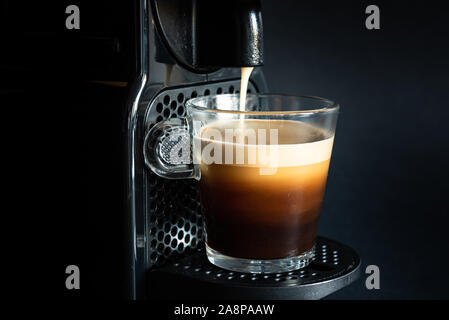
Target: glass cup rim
[{"x": 333, "y": 106}]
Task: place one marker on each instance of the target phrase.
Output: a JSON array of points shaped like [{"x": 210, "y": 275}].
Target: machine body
[{"x": 185, "y": 49}]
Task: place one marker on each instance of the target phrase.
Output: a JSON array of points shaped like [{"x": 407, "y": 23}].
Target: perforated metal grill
[
  {"x": 333, "y": 267},
  {"x": 330, "y": 260},
  {"x": 174, "y": 222}
]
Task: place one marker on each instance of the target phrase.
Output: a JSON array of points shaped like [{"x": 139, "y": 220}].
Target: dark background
[{"x": 387, "y": 188}]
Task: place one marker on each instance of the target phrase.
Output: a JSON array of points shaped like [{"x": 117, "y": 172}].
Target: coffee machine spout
[
  {"x": 204, "y": 35},
  {"x": 233, "y": 36}
]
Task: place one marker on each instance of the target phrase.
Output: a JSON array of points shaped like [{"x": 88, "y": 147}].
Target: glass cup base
[{"x": 259, "y": 266}]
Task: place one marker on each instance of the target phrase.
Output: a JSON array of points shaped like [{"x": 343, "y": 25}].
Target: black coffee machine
[{"x": 189, "y": 48}]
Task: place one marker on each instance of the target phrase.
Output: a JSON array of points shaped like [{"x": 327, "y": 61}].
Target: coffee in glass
[{"x": 262, "y": 175}]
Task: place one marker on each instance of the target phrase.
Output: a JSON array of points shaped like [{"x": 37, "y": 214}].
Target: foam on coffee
[{"x": 298, "y": 144}]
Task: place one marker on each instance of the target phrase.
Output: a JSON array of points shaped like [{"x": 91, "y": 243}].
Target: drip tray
[{"x": 334, "y": 266}]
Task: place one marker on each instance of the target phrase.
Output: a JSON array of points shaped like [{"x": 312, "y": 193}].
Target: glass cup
[{"x": 262, "y": 174}]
